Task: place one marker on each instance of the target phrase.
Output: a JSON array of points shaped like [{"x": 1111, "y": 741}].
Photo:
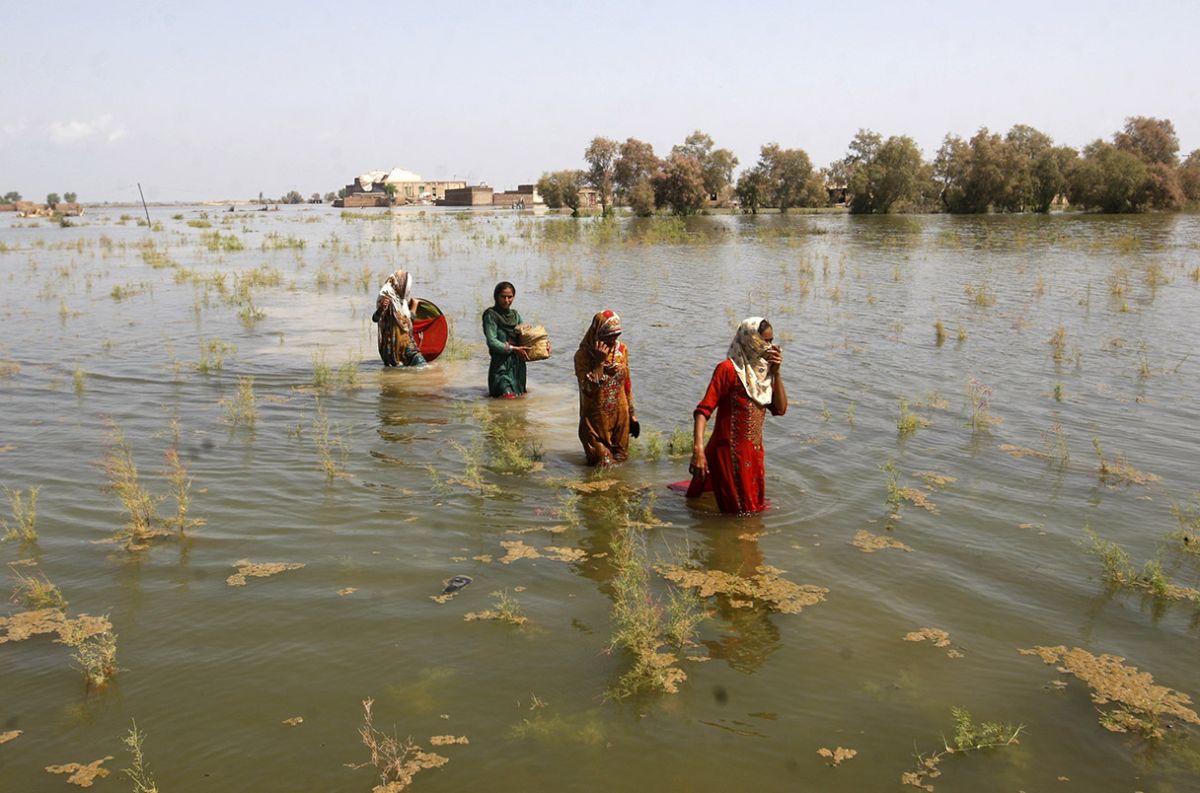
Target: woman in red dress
[{"x": 743, "y": 388}]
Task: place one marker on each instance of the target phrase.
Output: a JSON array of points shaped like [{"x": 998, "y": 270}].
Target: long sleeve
[
  {"x": 716, "y": 389},
  {"x": 497, "y": 342}
]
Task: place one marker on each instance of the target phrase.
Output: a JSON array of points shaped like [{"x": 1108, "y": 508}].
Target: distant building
[
  {"x": 525, "y": 196},
  {"x": 408, "y": 187},
  {"x": 473, "y": 196},
  {"x": 359, "y": 200}
]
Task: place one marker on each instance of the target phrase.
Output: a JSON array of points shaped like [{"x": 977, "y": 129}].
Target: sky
[{"x": 217, "y": 100}]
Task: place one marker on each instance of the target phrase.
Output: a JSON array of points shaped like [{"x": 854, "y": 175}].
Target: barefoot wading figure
[
  {"x": 743, "y": 388},
  {"x": 506, "y": 372},
  {"x": 394, "y": 309},
  {"x": 606, "y": 414}
]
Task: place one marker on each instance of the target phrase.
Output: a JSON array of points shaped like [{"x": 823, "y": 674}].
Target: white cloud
[
  {"x": 14, "y": 129},
  {"x": 67, "y": 132}
]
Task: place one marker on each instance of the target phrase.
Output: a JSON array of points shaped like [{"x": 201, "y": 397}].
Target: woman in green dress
[{"x": 506, "y": 374}]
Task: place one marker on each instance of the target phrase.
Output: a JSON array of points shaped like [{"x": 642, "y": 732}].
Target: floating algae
[
  {"x": 765, "y": 586},
  {"x": 80, "y": 774},
  {"x": 933, "y": 480},
  {"x": 917, "y": 498},
  {"x": 22, "y": 625},
  {"x": 516, "y": 549},
  {"x": 1022, "y": 451},
  {"x": 448, "y": 740},
  {"x": 594, "y": 486},
  {"x": 936, "y": 636},
  {"x": 534, "y": 529},
  {"x": 294, "y": 721},
  {"x": 258, "y": 570},
  {"x": 11, "y": 735},
  {"x": 347, "y": 591},
  {"x": 869, "y": 543},
  {"x": 1139, "y": 702},
  {"x": 836, "y": 756}
]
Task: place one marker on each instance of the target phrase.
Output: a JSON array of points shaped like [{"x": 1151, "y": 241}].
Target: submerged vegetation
[{"x": 969, "y": 736}]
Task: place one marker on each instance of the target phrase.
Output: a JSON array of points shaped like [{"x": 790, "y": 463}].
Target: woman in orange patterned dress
[
  {"x": 606, "y": 414},
  {"x": 743, "y": 388}
]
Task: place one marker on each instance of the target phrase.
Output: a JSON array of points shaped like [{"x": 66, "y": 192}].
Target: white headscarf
[
  {"x": 398, "y": 289},
  {"x": 752, "y": 369}
]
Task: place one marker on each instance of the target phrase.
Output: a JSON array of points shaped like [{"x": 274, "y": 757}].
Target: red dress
[{"x": 735, "y": 451}]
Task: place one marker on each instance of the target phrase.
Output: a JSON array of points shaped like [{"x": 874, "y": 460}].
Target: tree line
[
  {"x": 1024, "y": 170},
  {"x": 12, "y": 197}
]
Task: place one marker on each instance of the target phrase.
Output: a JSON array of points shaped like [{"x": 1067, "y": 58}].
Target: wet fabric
[
  {"x": 734, "y": 453},
  {"x": 506, "y": 371},
  {"x": 606, "y": 403},
  {"x": 394, "y": 315}
]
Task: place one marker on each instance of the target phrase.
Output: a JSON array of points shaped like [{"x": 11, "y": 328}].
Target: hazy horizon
[{"x": 219, "y": 101}]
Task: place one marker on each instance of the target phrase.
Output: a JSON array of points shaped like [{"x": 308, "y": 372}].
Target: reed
[
  {"x": 968, "y": 737},
  {"x": 909, "y": 422},
  {"x": 95, "y": 655},
  {"x": 322, "y": 375},
  {"x": 939, "y": 333},
  {"x": 1058, "y": 341},
  {"x": 24, "y": 516},
  {"x": 79, "y": 377},
  {"x": 979, "y": 403},
  {"x": 332, "y": 450}
]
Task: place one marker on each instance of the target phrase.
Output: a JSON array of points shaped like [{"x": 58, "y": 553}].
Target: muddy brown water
[{"x": 210, "y": 672}]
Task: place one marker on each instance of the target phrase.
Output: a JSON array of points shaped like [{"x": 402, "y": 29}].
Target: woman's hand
[
  {"x": 774, "y": 356},
  {"x": 699, "y": 466},
  {"x": 602, "y": 350},
  {"x": 522, "y": 352}
]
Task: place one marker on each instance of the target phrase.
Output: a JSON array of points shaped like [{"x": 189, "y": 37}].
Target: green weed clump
[
  {"x": 979, "y": 403},
  {"x": 968, "y": 737},
  {"x": 681, "y": 443},
  {"x": 322, "y": 373},
  {"x": 24, "y": 516},
  {"x": 95, "y": 655},
  {"x": 242, "y": 410},
  {"x": 1119, "y": 572},
  {"x": 909, "y": 422},
  {"x": 36, "y": 592},
  {"x": 511, "y": 451},
  {"x": 139, "y": 504},
  {"x": 939, "y": 333},
  {"x": 1188, "y": 515},
  {"x": 212, "y": 355},
  {"x": 1059, "y": 342},
  {"x": 138, "y": 771},
  {"x": 505, "y": 608},
  {"x": 396, "y": 761},
  {"x": 655, "y": 633},
  {"x": 332, "y": 451},
  {"x": 216, "y": 241}
]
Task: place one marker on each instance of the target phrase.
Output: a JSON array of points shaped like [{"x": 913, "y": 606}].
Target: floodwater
[{"x": 100, "y": 330}]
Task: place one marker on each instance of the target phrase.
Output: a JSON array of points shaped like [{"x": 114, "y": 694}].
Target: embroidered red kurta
[{"x": 735, "y": 451}]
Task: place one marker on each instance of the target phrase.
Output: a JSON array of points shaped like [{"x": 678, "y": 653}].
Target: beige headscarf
[
  {"x": 752, "y": 369},
  {"x": 398, "y": 289}
]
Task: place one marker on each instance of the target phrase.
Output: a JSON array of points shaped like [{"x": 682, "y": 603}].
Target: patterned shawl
[
  {"x": 604, "y": 324},
  {"x": 398, "y": 289},
  {"x": 752, "y": 369}
]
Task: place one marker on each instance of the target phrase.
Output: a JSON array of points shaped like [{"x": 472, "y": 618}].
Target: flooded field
[{"x": 985, "y": 495}]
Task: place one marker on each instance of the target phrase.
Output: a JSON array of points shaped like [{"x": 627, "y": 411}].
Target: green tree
[
  {"x": 1189, "y": 177},
  {"x": 52, "y": 199},
  {"x": 1151, "y": 139},
  {"x": 601, "y": 155},
  {"x": 679, "y": 184},
  {"x": 70, "y": 197},
  {"x": 388, "y": 188},
  {"x": 1109, "y": 179},
  {"x": 879, "y": 173},
  {"x": 12, "y": 197},
  {"x": 789, "y": 177},
  {"x": 1051, "y": 172},
  {"x": 752, "y": 189},
  {"x": 561, "y": 188},
  {"x": 330, "y": 197},
  {"x": 641, "y": 198},
  {"x": 716, "y": 165},
  {"x": 1025, "y": 146},
  {"x": 636, "y": 164},
  {"x": 975, "y": 175}
]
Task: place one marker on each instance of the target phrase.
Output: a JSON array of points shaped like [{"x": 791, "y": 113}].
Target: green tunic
[{"x": 506, "y": 374}]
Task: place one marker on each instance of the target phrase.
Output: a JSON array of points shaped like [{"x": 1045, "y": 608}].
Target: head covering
[
  {"x": 398, "y": 289},
  {"x": 604, "y": 325},
  {"x": 508, "y": 317},
  {"x": 746, "y": 352}
]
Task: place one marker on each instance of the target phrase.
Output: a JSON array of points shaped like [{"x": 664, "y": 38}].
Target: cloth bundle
[{"x": 536, "y": 340}]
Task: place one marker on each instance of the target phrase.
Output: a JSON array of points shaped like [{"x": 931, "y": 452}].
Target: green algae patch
[
  {"x": 765, "y": 586},
  {"x": 935, "y": 636},
  {"x": 867, "y": 542},
  {"x": 836, "y": 757},
  {"x": 82, "y": 774},
  {"x": 247, "y": 569},
  {"x": 1139, "y": 704},
  {"x": 24, "y": 624},
  {"x": 517, "y": 549}
]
